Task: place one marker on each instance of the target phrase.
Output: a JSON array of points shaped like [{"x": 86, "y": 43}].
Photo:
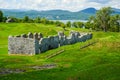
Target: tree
[
  {"x": 37, "y": 19},
  {"x": 1, "y": 16},
  {"x": 4, "y": 19},
  {"x": 93, "y": 23},
  {"x": 103, "y": 17},
  {"x": 26, "y": 19},
  {"x": 74, "y": 24},
  {"x": 44, "y": 21},
  {"x": 57, "y": 23},
  {"x": 78, "y": 24},
  {"x": 51, "y": 22},
  {"x": 114, "y": 23},
  {"x": 88, "y": 25},
  {"x": 105, "y": 21},
  {"x": 68, "y": 24}
]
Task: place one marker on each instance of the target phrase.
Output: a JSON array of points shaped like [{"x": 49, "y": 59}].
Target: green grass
[{"x": 100, "y": 61}]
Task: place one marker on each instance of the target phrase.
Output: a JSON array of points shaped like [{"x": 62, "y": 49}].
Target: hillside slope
[{"x": 100, "y": 61}]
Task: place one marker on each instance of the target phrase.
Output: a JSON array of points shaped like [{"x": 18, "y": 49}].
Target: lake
[{"x": 65, "y": 21}]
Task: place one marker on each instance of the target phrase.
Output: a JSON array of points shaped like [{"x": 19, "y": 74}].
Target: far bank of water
[{"x": 65, "y": 21}]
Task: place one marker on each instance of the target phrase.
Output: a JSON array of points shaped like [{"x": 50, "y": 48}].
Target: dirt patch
[
  {"x": 9, "y": 71},
  {"x": 48, "y": 66}
]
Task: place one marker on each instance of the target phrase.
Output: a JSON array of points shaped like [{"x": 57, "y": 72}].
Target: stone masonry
[{"x": 35, "y": 43}]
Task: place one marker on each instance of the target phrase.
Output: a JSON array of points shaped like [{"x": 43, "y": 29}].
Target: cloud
[
  {"x": 114, "y": 3},
  {"x": 72, "y": 5}
]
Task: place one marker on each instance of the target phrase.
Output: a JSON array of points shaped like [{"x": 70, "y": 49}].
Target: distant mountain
[
  {"x": 89, "y": 11},
  {"x": 54, "y": 14},
  {"x": 49, "y": 14},
  {"x": 116, "y": 11},
  {"x": 14, "y": 10}
]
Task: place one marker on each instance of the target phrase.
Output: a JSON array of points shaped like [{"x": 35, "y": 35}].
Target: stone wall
[{"x": 35, "y": 43}]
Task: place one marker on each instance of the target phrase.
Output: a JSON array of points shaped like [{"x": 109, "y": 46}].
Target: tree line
[{"x": 104, "y": 20}]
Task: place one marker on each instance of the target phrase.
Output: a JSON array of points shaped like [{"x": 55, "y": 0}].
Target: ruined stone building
[{"x": 35, "y": 43}]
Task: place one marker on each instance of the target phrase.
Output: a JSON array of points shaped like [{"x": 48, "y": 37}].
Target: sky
[{"x": 71, "y": 5}]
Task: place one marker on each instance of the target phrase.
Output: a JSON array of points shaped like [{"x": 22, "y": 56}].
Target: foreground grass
[{"x": 100, "y": 61}]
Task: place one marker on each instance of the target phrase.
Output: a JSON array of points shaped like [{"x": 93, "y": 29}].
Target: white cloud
[
  {"x": 72, "y": 5},
  {"x": 114, "y": 3}
]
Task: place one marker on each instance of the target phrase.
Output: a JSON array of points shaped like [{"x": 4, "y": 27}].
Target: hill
[
  {"x": 50, "y": 14},
  {"x": 100, "y": 61},
  {"x": 89, "y": 11},
  {"x": 55, "y": 14},
  {"x": 116, "y": 11}
]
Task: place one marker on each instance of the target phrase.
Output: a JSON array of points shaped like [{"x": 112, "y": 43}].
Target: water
[{"x": 65, "y": 21}]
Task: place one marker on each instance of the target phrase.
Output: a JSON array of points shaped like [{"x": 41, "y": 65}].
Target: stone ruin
[{"x": 35, "y": 43}]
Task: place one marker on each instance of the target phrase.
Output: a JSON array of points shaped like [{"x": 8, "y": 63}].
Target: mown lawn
[{"x": 100, "y": 61}]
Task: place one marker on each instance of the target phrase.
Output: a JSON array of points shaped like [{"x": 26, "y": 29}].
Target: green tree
[
  {"x": 51, "y": 22},
  {"x": 103, "y": 18},
  {"x": 80, "y": 24},
  {"x": 93, "y": 23},
  {"x": 114, "y": 23},
  {"x": 37, "y": 19},
  {"x": 44, "y": 21},
  {"x": 57, "y": 23},
  {"x": 26, "y": 19},
  {"x": 74, "y": 24},
  {"x": 88, "y": 25},
  {"x": 68, "y": 24},
  {"x": 4, "y": 19},
  {"x": 1, "y": 16}
]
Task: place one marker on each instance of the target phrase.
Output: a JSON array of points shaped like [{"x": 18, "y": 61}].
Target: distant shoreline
[{"x": 65, "y": 21}]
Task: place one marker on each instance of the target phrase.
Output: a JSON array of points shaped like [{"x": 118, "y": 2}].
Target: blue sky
[{"x": 71, "y": 5}]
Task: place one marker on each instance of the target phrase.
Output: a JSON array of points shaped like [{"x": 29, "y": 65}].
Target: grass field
[{"x": 100, "y": 61}]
